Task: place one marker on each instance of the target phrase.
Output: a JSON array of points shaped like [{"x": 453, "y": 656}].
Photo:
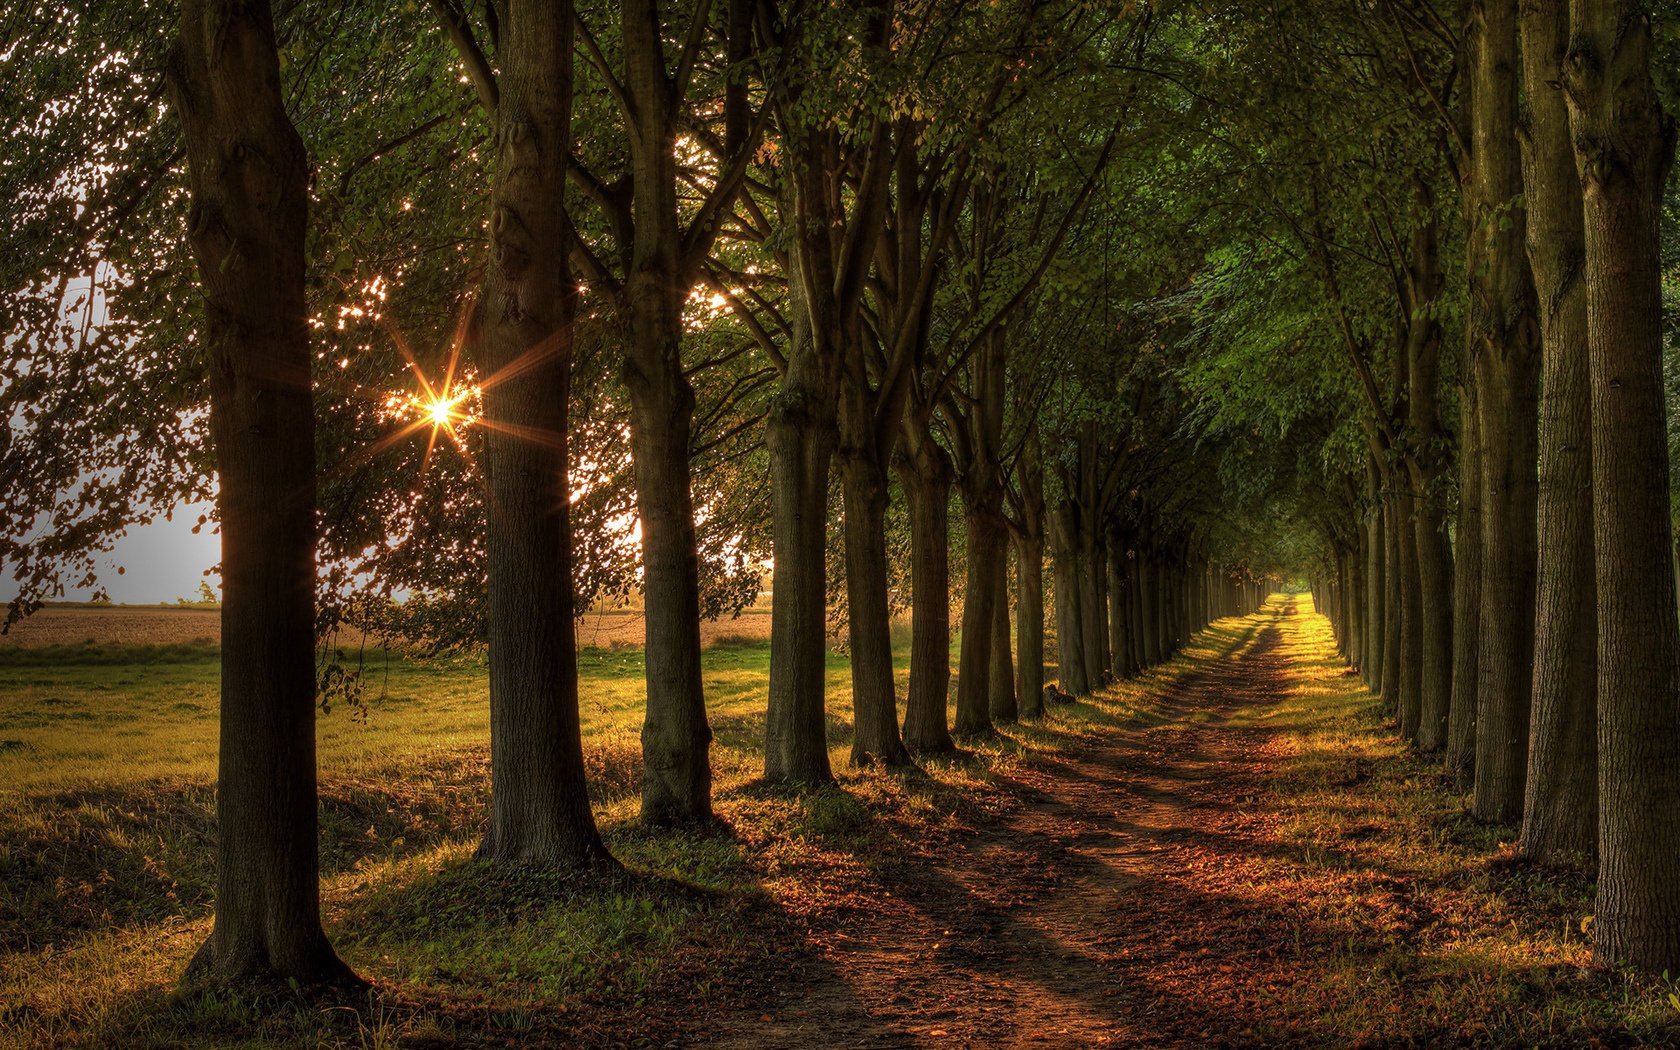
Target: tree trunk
[
  {"x": 1029, "y": 583},
  {"x": 1411, "y": 613},
  {"x": 974, "y": 667},
  {"x": 875, "y": 735},
  {"x": 1119, "y": 636},
  {"x": 1147, "y": 575},
  {"x": 676, "y": 766},
  {"x": 926, "y": 478},
  {"x": 1091, "y": 607},
  {"x": 1029, "y": 624},
  {"x": 249, "y": 179},
  {"x": 801, "y": 437},
  {"x": 1393, "y": 598},
  {"x": 1427, "y": 462},
  {"x": 1001, "y": 687},
  {"x": 1467, "y": 598},
  {"x": 1375, "y": 585},
  {"x": 1560, "y": 808},
  {"x": 1070, "y": 644},
  {"x": 1624, "y": 145},
  {"x": 539, "y": 805},
  {"x": 1504, "y": 348}
]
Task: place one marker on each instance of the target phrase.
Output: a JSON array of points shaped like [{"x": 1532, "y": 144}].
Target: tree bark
[
  {"x": 1624, "y": 146},
  {"x": 1070, "y": 645},
  {"x": 974, "y": 667},
  {"x": 1560, "y": 808},
  {"x": 926, "y": 477},
  {"x": 248, "y": 175},
  {"x": 875, "y": 736},
  {"x": 1029, "y": 583},
  {"x": 521, "y": 338},
  {"x": 1467, "y": 597},
  {"x": 1504, "y": 348},
  {"x": 676, "y": 737},
  {"x": 1001, "y": 686},
  {"x": 1375, "y": 585},
  {"x": 801, "y": 437}
]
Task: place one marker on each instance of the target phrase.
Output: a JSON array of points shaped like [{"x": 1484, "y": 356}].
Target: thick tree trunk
[
  {"x": 676, "y": 768},
  {"x": 926, "y": 478},
  {"x": 801, "y": 437},
  {"x": 1624, "y": 146},
  {"x": 1504, "y": 348},
  {"x": 1505, "y": 671},
  {"x": 1001, "y": 687},
  {"x": 1560, "y": 809},
  {"x": 875, "y": 736},
  {"x": 1467, "y": 598},
  {"x": 1427, "y": 462},
  {"x": 249, "y": 181}
]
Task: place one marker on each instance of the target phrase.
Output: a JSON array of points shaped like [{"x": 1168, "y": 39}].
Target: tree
[
  {"x": 249, "y": 177},
  {"x": 1624, "y": 148},
  {"x": 521, "y": 339}
]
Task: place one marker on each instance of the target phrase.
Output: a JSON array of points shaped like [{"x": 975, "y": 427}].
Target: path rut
[{"x": 1090, "y": 914}]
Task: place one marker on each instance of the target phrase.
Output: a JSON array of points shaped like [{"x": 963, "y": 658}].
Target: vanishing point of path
[{"x": 1090, "y": 915}]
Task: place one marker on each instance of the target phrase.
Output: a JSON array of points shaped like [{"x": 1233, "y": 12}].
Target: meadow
[{"x": 1339, "y": 891}]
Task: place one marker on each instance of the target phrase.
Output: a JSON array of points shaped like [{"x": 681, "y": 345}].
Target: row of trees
[
  {"x": 1505, "y": 581},
  {"x": 865, "y": 251},
  {"x": 1179, "y": 296}
]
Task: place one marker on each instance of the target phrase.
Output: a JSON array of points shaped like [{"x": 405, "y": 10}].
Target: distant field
[
  {"x": 69, "y": 625},
  {"x": 62, "y": 625}
]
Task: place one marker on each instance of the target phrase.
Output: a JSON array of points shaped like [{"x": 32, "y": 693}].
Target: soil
[{"x": 1096, "y": 913}]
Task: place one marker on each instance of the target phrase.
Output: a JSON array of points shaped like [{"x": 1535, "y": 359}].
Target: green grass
[{"x": 1430, "y": 931}]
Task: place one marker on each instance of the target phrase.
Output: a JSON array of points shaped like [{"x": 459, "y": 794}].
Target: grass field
[{"x": 106, "y": 762}]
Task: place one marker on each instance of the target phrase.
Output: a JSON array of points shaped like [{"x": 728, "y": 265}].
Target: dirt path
[{"x": 1091, "y": 914}]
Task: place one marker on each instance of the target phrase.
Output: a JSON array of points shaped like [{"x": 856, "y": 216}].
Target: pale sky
[{"x": 162, "y": 561}]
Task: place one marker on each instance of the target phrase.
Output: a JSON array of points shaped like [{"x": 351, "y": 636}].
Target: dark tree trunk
[
  {"x": 1467, "y": 600},
  {"x": 1375, "y": 585},
  {"x": 1624, "y": 146},
  {"x": 676, "y": 737},
  {"x": 1426, "y": 462},
  {"x": 801, "y": 438},
  {"x": 1393, "y": 597},
  {"x": 1411, "y": 613},
  {"x": 676, "y": 767},
  {"x": 1001, "y": 687},
  {"x": 1029, "y": 584},
  {"x": 1070, "y": 645},
  {"x": 875, "y": 735},
  {"x": 1560, "y": 809},
  {"x": 1148, "y": 576},
  {"x": 986, "y": 543},
  {"x": 1504, "y": 348},
  {"x": 249, "y": 181},
  {"x": 926, "y": 478},
  {"x": 1119, "y": 637},
  {"x": 521, "y": 338},
  {"x": 1029, "y": 625}
]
